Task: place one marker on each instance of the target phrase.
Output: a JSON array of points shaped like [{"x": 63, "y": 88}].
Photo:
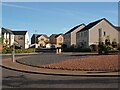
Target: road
[
  {"x": 49, "y": 58},
  {"x": 25, "y": 80}
]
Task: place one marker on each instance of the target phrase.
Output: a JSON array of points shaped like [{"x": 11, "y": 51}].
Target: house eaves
[
  {"x": 74, "y": 28},
  {"x": 6, "y": 30},
  {"x": 19, "y": 32},
  {"x": 91, "y": 25}
]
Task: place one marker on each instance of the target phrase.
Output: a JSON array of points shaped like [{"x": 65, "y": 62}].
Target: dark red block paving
[{"x": 96, "y": 63}]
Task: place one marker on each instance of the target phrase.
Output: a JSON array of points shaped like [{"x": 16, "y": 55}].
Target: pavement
[
  {"x": 21, "y": 54},
  {"x": 7, "y": 63}
]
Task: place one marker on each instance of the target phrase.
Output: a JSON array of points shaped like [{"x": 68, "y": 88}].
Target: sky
[{"x": 55, "y": 17}]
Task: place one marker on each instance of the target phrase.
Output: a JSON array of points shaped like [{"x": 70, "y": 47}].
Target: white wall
[
  {"x": 73, "y": 34},
  {"x": 12, "y": 39},
  {"x": 27, "y": 42},
  {"x": 106, "y": 27},
  {"x": 8, "y": 38},
  {"x": 4, "y": 38}
]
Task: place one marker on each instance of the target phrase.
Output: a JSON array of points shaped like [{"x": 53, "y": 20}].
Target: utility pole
[{"x": 35, "y": 38}]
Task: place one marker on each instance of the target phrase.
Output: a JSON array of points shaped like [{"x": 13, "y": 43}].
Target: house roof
[
  {"x": 90, "y": 25},
  {"x": 118, "y": 28},
  {"x": 58, "y": 35},
  {"x": 7, "y": 30},
  {"x": 74, "y": 28},
  {"x": 42, "y": 35},
  {"x": 35, "y": 35},
  {"x": 53, "y": 35},
  {"x": 19, "y": 32}
]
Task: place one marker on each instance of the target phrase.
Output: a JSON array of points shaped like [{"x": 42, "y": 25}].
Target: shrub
[
  {"x": 67, "y": 50},
  {"x": 119, "y": 48},
  {"x": 6, "y": 50},
  {"x": 9, "y": 50},
  {"x": 114, "y": 43},
  {"x": 77, "y": 50},
  {"x": 107, "y": 47},
  {"x": 107, "y": 40},
  {"x": 24, "y": 50},
  {"x": 94, "y": 47},
  {"x": 64, "y": 46},
  {"x": 72, "y": 46},
  {"x": 84, "y": 49}
]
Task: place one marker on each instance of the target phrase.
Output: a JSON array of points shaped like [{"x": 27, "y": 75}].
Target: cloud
[
  {"x": 18, "y": 6},
  {"x": 112, "y": 11}
]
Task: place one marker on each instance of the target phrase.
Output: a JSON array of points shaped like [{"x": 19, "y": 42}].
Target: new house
[
  {"x": 39, "y": 40},
  {"x": 92, "y": 33},
  {"x": 7, "y": 37},
  {"x": 118, "y": 28},
  {"x": 42, "y": 40},
  {"x": 52, "y": 39},
  {"x": 19, "y": 38},
  {"x": 56, "y": 39},
  {"x": 70, "y": 36},
  {"x": 34, "y": 38}
]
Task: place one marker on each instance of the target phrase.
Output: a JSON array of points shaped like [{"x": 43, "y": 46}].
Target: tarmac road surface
[{"x": 25, "y": 80}]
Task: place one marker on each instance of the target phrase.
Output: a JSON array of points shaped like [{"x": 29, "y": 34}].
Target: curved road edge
[{"x": 8, "y": 64}]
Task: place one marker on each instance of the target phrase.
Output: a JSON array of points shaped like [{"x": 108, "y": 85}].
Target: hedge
[
  {"x": 76, "y": 50},
  {"x": 24, "y": 50},
  {"x": 8, "y": 50}
]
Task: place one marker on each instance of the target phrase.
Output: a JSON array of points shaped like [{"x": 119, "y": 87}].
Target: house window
[
  {"x": 78, "y": 35},
  {"x": 104, "y": 33},
  {"x": 42, "y": 39},
  {"x": 20, "y": 38},
  {"x": 60, "y": 39},
  {"x": 84, "y": 34},
  {"x": 81, "y": 34},
  {"x": 100, "y": 32}
]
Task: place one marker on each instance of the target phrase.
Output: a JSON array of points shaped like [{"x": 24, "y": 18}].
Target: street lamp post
[{"x": 13, "y": 53}]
